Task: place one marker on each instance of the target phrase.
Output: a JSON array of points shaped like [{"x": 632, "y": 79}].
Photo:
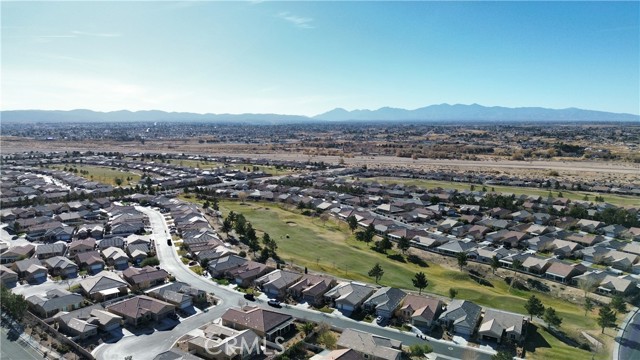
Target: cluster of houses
[
  {"x": 544, "y": 243},
  {"x": 83, "y": 244}
]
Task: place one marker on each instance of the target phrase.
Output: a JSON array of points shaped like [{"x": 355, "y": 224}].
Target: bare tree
[{"x": 242, "y": 196}]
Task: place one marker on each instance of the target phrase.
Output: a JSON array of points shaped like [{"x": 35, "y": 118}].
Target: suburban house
[
  {"x": 90, "y": 261},
  {"x": 140, "y": 309},
  {"x": 180, "y": 294},
  {"x": 80, "y": 246},
  {"x": 385, "y": 301},
  {"x": 275, "y": 283},
  {"x": 61, "y": 266},
  {"x": 176, "y": 354},
  {"x": 16, "y": 253},
  {"x": 31, "y": 270},
  {"x": 8, "y": 277},
  {"x": 223, "y": 343},
  {"x": 563, "y": 272},
  {"x": 265, "y": 323},
  {"x": 499, "y": 326},
  {"x": 461, "y": 317},
  {"x": 104, "y": 286},
  {"x": 370, "y": 346},
  {"x": 589, "y": 226},
  {"x": 116, "y": 241},
  {"x": 86, "y": 322},
  {"x": 144, "y": 278},
  {"x": 45, "y": 251},
  {"x": 311, "y": 288},
  {"x": 612, "y": 285},
  {"x": 349, "y": 296},
  {"x": 245, "y": 274},
  {"x": 420, "y": 311},
  {"x": 340, "y": 354},
  {"x": 53, "y": 302},
  {"x": 116, "y": 257},
  {"x": 77, "y": 328},
  {"x": 218, "y": 267}
]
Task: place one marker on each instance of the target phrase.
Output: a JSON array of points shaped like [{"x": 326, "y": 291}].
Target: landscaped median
[{"x": 331, "y": 248}]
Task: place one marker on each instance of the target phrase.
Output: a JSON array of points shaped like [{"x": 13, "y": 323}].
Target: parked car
[
  {"x": 250, "y": 297},
  {"x": 274, "y": 303},
  {"x": 169, "y": 242},
  {"x": 379, "y": 320}
]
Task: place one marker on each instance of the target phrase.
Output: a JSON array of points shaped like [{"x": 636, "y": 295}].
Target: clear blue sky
[{"x": 310, "y": 57}]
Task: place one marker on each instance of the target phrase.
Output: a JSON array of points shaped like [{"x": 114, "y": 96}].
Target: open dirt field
[{"x": 617, "y": 172}]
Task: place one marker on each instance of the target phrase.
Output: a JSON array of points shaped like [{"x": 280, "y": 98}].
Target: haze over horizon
[{"x": 307, "y": 58}]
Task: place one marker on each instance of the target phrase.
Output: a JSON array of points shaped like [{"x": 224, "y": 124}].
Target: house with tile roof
[
  {"x": 500, "y": 325},
  {"x": 141, "y": 309},
  {"x": 311, "y": 288},
  {"x": 420, "y": 311},
  {"x": 370, "y": 346},
  {"x": 349, "y": 296},
  {"x": 385, "y": 301},
  {"x": 61, "y": 266},
  {"x": 53, "y": 302},
  {"x": 104, "y": 286},
  {"x": 144, "y": 278},
  {"x": 265, "y": 323},
  {"x": 275, "y": 283},
  {"x": 461, "y": 317}
]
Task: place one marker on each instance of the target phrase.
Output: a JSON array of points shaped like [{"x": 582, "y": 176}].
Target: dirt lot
[{"x": 617, "y": 172}]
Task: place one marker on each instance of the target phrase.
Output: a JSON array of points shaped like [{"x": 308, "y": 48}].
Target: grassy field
[
  {"x": 332, "y": 249},
  {"x": 621, "y": 200},
  {"x": 105, "y": 175}
]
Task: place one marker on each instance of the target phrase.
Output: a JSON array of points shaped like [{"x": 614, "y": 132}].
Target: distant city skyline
[{"x": 306, "y": 58}]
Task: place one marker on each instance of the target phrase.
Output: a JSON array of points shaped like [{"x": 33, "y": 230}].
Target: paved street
[
  {"x": 630, "y": 342},
  {"x": 139, "y": 347},
  {"x": 10, "y": 349}
]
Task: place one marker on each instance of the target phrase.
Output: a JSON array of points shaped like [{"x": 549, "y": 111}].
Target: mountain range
[{"x": 433, "y": 113}]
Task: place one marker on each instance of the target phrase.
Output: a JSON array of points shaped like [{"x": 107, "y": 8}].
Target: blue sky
[{"x": 310, "y": 57}]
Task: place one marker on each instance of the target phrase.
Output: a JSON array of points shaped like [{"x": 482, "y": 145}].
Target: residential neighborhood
[{"x": 102, "y": 276}]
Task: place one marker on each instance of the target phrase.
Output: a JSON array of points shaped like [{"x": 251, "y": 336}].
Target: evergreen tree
[
  {"x": 352, "y": 222},
  {"x": 495, "y": 264},
  {"x": 404, "y": 244},
  {"x": 534, "y": 307},
  {"x": 376, "y": 272},
  {"x": 462, "y": 259},
  {"x": 551, "y": 318},
  {"x": 606, "y": 317},
  {"x": 420, "y": 281}
]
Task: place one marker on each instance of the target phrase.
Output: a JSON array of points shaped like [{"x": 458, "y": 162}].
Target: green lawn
[
  {"x": 102, "y": 174},
  {"x": 573, "y": 195},
  {"x": 332, "y": 249}
]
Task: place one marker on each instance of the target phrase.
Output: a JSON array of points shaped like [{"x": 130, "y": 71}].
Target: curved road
[
  {"x": 630, "y": 340},
  {"x": 141, "y": 347}
]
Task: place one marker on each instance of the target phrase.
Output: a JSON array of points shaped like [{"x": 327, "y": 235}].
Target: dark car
[
  {"x": 250, "y": 297},
  {"x": 169, "y": 242},
  {"x": 274, "y": 303}
]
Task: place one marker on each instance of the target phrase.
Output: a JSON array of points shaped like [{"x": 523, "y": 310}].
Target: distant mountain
[
  {"x": 474, "y": 112},
  {"x": 89, "y": 116},
  {"x": 442, "y": 112}
]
